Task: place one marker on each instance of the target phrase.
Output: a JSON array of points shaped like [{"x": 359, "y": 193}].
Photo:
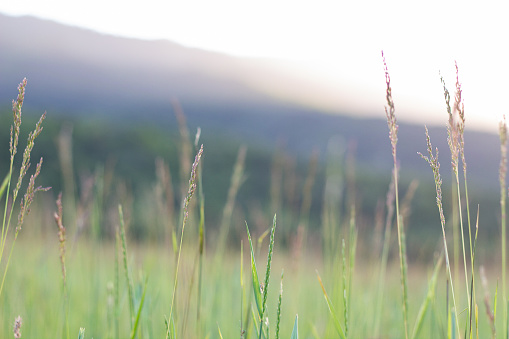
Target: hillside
[{"x": 121, "y": 88}]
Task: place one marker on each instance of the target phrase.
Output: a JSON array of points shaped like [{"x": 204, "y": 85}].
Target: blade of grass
[
  {"x": 345, "y": 287},
  {"x": 267, "y": 275},
  {"x": 219, "y": 330},
  {"x": 254, "y": 322},
  {"x": 256, "y": 283},
  {"x": 429, "y": 298},
  {"x": 352, "y": 244},
  {"x": 339, "y": 329},
  {"x": 117, "y": 284},
  {"x": 295, "y": 331},
  {"x": 241, "y": 287},
  {"x": 472, "y": 287},
  {"x": 140, "y": 307},
  {"x": 384, "y": 258},
  {"x": 278, "y": 314}
]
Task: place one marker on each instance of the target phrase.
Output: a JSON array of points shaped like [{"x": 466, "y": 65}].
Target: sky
[{"x": 336, "y": 41}]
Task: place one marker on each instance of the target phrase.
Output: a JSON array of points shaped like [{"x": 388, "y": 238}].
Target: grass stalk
[
  {"x": 489, "y": 312},
  {"x": 393, "y": 135},
  {"x": 61, "y": 237},
  {"x": 267, "y": 274},
  {"x": 25, "y": 164},
  {"x": 345, "y": 287},
  {"x": 117, "y": 284},
  {"x": 280, "y": 300},
  {"x": 26, "y": 201},
  {"x": 384, "y": 257},
  {"x": 242, "y": 331},
  {"x": 503, "y": 193},
  {"x": 236, "y": 181},
  {"x": 129, "y": 282},
  {"x": 201, "y": 237},
  {"x": 13, "y": 147},
  {"x": 352, "y": 244},
  {"x": 190, "y": 193},
  {"x": 473, "y": 301},
  {"x": 432, "y": 159},
  {"x": 455, "y": 138},
  {"x": 259, "y": 289}
]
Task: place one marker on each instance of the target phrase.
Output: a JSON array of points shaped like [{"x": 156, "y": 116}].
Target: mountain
[
  {"x": 84, "y": 76},
  {"x": 73, "y": 71},
  {"x": 70, "y": 67}
]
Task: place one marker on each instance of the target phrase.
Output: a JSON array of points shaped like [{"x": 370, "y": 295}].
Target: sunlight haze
[{"x": 337, "y": 43}]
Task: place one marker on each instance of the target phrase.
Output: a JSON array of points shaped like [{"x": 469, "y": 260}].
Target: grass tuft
[{"x": 27, "y": 199}]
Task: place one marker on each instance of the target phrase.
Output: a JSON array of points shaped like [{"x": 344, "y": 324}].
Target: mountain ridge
[{"x": 73, "y": 71}]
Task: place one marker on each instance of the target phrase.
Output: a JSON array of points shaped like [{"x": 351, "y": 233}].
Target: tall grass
[
  {"x": 503, "y": 193},
  {"x": 393, "y": 136},
  {"x": 61, "y": 239},
  {"x": 190, "y": 193},
  {"x": 11, "y": 200},
  {"x": 432, "y": 159},
  {"x": 355, "y": 307}
]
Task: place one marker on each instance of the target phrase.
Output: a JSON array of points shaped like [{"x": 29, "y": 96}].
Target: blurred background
[{"x": 289, "y": 99}]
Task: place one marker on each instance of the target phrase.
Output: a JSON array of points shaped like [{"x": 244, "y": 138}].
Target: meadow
[{"x": 74, "y": 261}]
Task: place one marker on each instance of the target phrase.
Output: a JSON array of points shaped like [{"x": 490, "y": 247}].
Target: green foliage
[
  {"x": 295, "y": 332},
  {"x": 261, "y": 291},
  {"x": 176, "y": 262}
]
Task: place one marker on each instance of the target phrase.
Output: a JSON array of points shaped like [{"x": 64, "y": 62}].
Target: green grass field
[{"x": 325, "y": 281}]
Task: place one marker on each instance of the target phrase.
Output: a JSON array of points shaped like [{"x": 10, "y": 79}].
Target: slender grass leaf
[
  {"x": 219, "y": 330},
  {"x": 477, "y": 321},
  {"x": 339, "y": 329},
  {"x": 452, "y": 327},
  {"x": 137, "y": 320},
  {"x": 269, "y": 261},
  {"x": 429, "y": 297},
  {"x": 278, "y": 314},
  {"x": 295, "y": 332},
  {"x": 254, "y": 322},
  {"x": 495, "y": 305},
  {"x": 256, "y": 283},
  {"x": 4, "y": 184},
  {"x": 170, "y": 328}
]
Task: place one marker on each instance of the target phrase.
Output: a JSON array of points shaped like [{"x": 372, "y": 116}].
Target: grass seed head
[
  {"x": 389, "y": 111},
  {"x": 17, "y": 327}
]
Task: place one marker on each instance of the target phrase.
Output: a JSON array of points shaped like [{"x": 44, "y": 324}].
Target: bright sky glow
[{"x": 339, "y": 41}]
